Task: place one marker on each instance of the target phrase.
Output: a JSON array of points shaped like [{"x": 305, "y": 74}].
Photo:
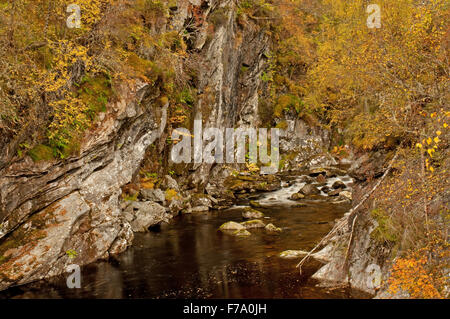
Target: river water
[{"x": 190, "y": 258}]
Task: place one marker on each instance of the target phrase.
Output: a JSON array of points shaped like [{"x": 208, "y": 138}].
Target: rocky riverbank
[{"x": 241, "y": 250}]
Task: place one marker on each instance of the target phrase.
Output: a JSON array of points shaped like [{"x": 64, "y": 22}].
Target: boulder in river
[
  {"x": 325, "y": 189},
  {"x": 250, "y": 213},
  {"x": 252, "y": 183},
  {"x": 199, "y": 209},
  {"x": 346, "y": 194},
  {"x": 338, "y": 184},
  {"x": 271, "y": 228},
  {"x": 297, "y": 196},
  {"x": 321, "y": 179},
  {"x": 231, "y": 226},
  {"x": 146, "y": 214},
  {"x": 290, "y": 254},
  {"x": 309, "y": 189},
  {"x": 201, "y": 200},
  {"x": 254, "y": 223},
  {"x": 314, "y": 172},
  {"x": 241, "y": 233},
  {"x": 334, "y": 192}
]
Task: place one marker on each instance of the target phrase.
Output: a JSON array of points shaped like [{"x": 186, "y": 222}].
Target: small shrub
[
  {"x": 385, "y": 230},
  {"x": 41, "y": 153},
  {"x": 171, "y": 194}
]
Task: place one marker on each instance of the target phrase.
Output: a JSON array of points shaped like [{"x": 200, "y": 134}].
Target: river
[{"x": 190, "y": 258}]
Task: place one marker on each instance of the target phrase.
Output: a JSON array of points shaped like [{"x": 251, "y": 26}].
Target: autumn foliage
[
  {"x": 54, "y": 80},
  {"x": 421, "y": 273}
]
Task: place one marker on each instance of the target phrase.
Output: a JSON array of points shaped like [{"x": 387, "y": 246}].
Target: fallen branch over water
[{"x": 341, "y": 223}]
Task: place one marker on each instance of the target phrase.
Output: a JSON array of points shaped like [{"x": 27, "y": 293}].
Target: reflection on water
[{"x": 189, "y": 258}]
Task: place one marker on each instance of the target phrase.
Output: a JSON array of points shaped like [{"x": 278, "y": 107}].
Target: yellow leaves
[
  {"x": 172, "y": 194},
  {"x": 389, "y": 66},
  {"x": 90, "y": 12},
  {"x": 66, "y": 53},
  {"x": 252, "y": 167}
]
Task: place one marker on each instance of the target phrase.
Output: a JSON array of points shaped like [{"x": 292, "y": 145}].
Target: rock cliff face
[
  {"x": 48, "y": 208},
  {"x": 363, "y": 265}
]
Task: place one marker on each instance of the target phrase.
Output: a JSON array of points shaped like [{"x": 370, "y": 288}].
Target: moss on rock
[{"x": 255, "y": 223}]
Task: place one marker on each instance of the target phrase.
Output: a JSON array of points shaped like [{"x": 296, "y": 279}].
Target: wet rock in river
[
  {"x": 198, "y": 200},
  {"x": 309, "y": 189},
  {"x": 297, "y": 196},
  {"x": 249, "y": 183},
  {"x": 250, "y": 213},
  {"x": 334, "y": 192},
  {"x": 290, "y": 254},
  {"x": 325, "y": 189},
  {"x": 346, "y": 194},
  {"x": 146, "y": 214},
  {"x": 292, "y": 182},
  {"x": 271, "y": 228},
  {"x": 231, "y": 226},
  {"x": 321, "y": 179},
  {"x": 314, "y": 172},
  {"x": 241, "y": 233},
  {"x": 327, "y": 172},
  {"x": 338, "y": 184},
  {"x": 199, "y": 209},
  {"x": 255, "y": 223}
]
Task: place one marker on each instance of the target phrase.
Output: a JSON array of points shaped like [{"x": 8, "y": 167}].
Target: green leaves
[{"x": 71, "y": 253}]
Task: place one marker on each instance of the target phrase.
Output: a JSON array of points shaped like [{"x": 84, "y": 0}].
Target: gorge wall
[{"x": 48, "y": 207}]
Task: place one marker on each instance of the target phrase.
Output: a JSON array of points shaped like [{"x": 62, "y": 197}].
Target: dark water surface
[{"x": 190, "y": 258}]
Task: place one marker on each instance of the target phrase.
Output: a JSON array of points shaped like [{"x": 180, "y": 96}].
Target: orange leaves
[{"x": 418, "y": 274}]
